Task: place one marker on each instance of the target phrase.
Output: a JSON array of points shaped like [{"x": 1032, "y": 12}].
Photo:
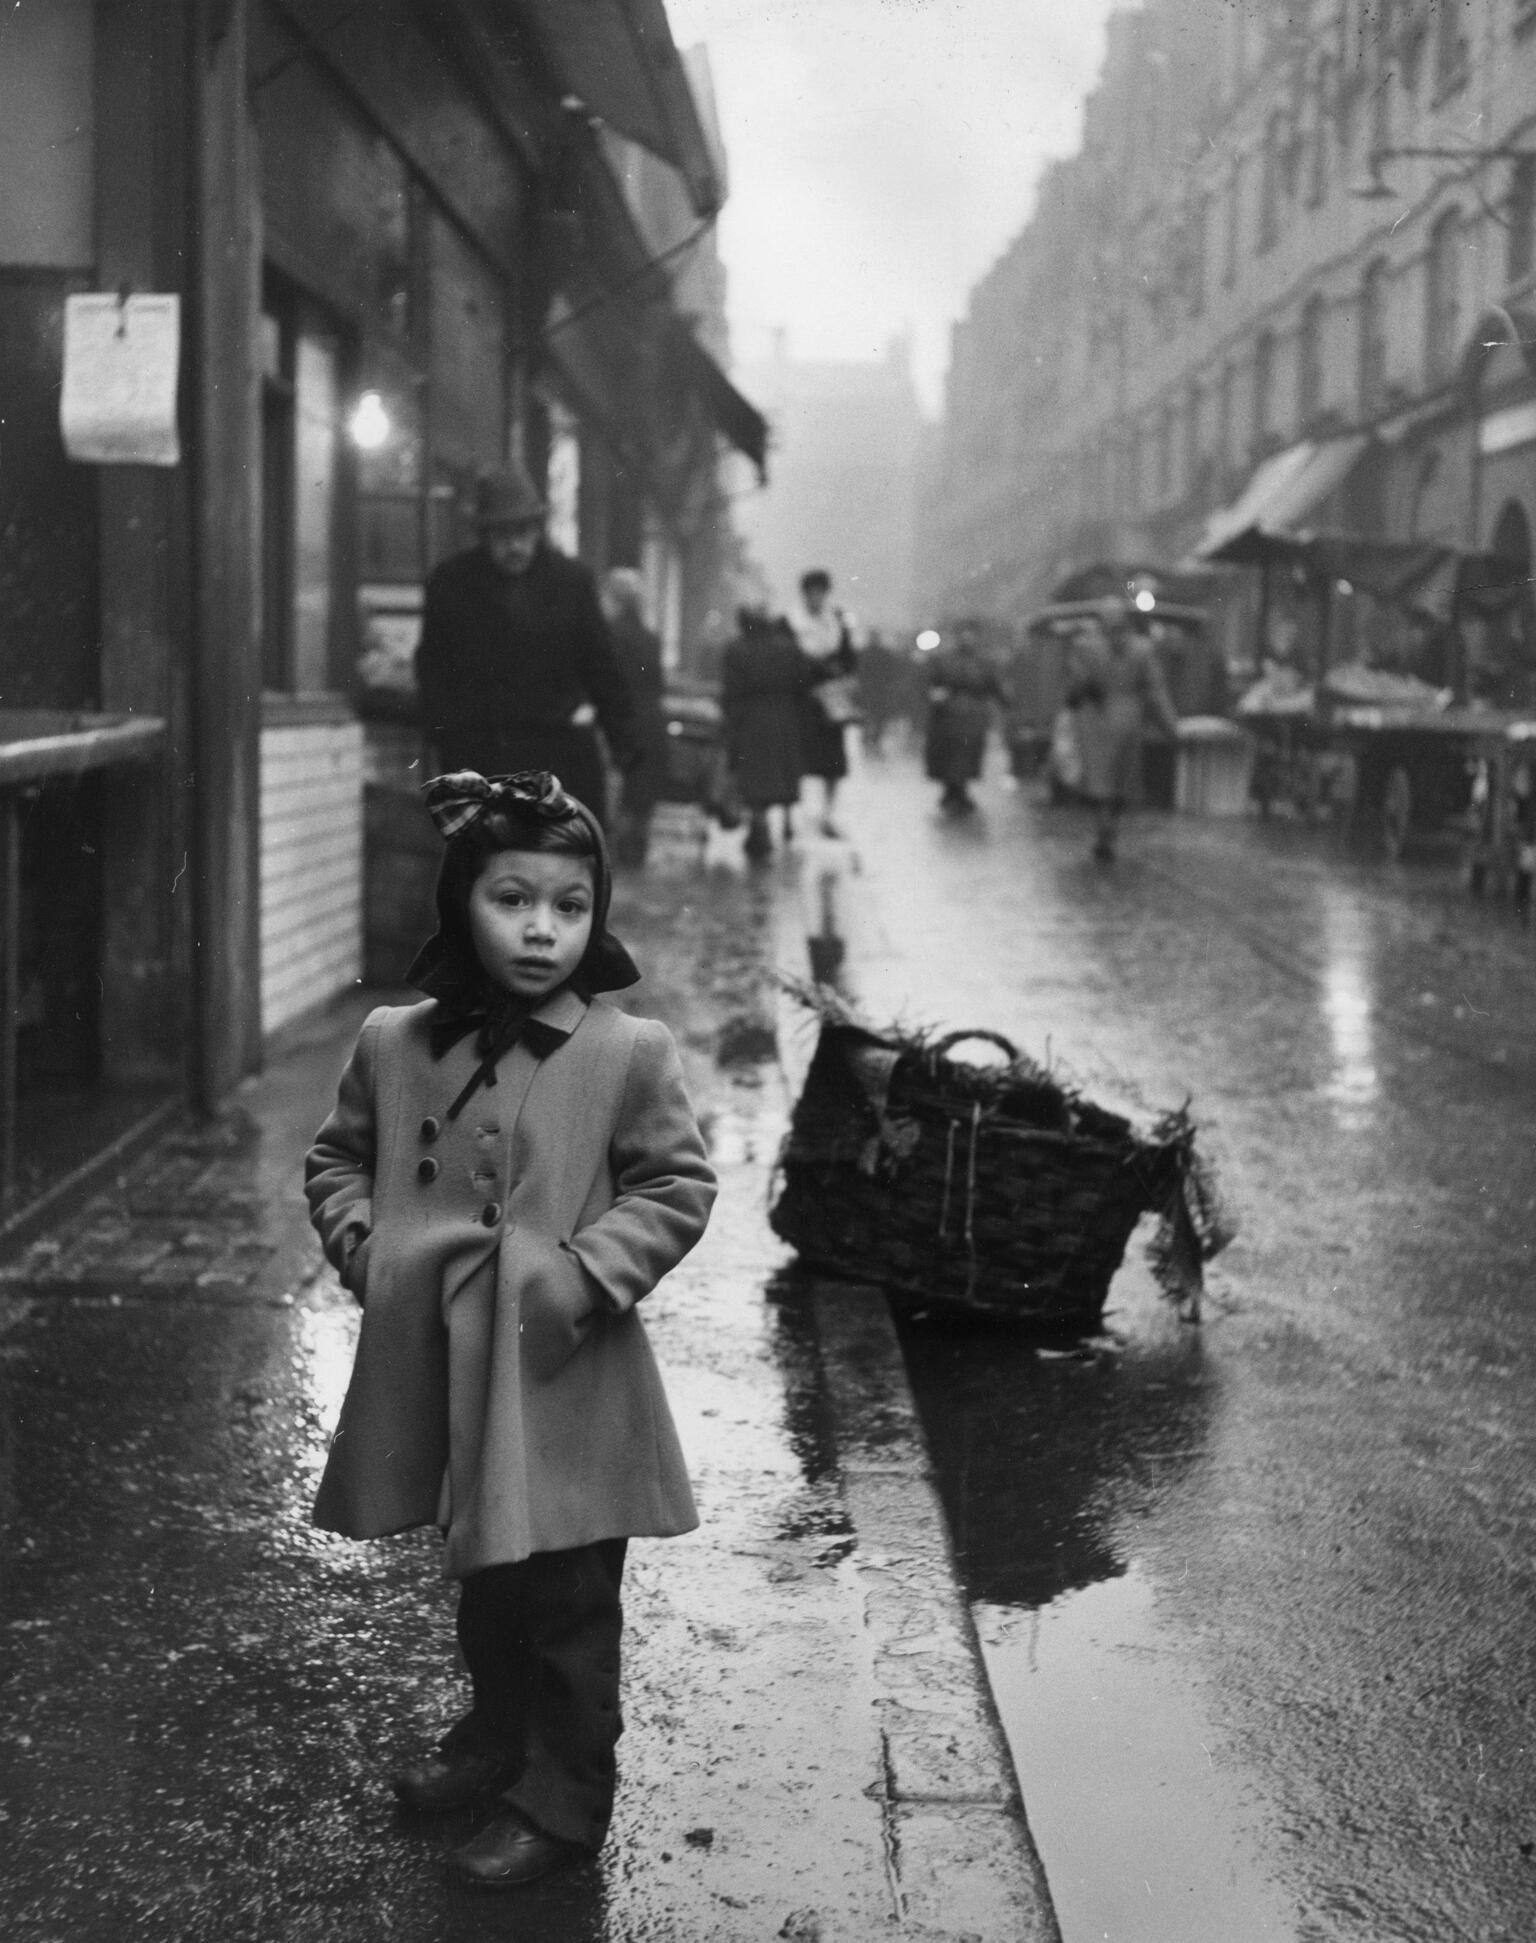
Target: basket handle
[{"x": 941, "y": 1046}]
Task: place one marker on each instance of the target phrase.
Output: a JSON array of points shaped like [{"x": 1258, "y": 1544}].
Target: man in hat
[{"x": 515, "y": 662}]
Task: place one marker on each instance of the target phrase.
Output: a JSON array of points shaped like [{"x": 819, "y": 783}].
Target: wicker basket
[{"x": 991, "y": 1189}]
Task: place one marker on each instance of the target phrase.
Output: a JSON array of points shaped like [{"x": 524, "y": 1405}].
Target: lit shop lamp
[
  {"x": 1374, "y": 187},
  {"x": 928, "y": 640},
  {"x": 369, "y": 425}
]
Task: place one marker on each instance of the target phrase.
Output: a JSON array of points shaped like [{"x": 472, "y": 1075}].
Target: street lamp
[{"x": 1374, "y": 188}]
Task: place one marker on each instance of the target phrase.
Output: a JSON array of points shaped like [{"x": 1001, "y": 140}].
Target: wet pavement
[
  {"x": 203, "y": 1696},
  {"x": 1256, "y": 1597}
]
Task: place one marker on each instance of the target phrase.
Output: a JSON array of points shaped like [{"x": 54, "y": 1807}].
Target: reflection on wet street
[{"x": 1254, "y": 1597}]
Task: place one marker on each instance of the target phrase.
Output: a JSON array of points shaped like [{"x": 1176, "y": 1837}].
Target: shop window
[
  {"x": 1373, "y": 338},
  {"x": 300, "y": 421},
  {"x": 563, "y": 481},
  {"x": 1309, "y": 358},
  {"x": 1442, "y": 297}
]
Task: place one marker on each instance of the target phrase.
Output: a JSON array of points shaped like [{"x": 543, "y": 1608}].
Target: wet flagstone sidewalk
[{"x": 203, "y": 1696}]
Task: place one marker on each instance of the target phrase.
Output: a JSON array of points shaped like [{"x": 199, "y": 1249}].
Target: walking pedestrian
[
  {"x": 515, "y": 662},
  {"x": 765, "y": 679},
  {"x": 825, "y": 634},
  {"x": 1114, "y": 687},
  {"x": 512, "y": 1164},
  {"x": 638, "y": 650},
  {"x": 962, "y": 690},
  {"x": 881, "y": 675}
]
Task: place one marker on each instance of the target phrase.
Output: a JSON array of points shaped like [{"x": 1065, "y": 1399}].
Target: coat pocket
[
  {"x": 558, "y": 1305},
  {"x": 354, "y": 1276}
]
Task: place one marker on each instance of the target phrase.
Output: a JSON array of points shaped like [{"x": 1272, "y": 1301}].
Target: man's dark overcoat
[{"x": 505, "y": 660}]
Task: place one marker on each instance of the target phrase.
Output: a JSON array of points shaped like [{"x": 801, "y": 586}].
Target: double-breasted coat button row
[
  {"x": 490, "y": 1214},
  {"x": 431, "y": 1127},
  {"x": 428, "y": 1169}
]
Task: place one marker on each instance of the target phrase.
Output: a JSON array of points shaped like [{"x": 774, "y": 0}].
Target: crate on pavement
[{"x": 995, "y": 1189}]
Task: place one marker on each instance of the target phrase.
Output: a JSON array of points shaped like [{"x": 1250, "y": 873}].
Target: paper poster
[{"x": 120, "y": 363}]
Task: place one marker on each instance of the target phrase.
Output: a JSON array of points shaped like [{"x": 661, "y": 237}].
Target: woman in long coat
[
  {"x": 764, "y": 682},
  {"x": 1115, "y": 688},
  {"x": 962, "y": 691}
]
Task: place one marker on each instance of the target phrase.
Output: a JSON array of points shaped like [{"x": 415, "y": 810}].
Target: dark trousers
[{"x": 541, "y": 1640}]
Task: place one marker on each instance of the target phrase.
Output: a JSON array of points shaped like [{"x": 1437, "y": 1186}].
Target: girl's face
[{"x": 530, "y": 916}]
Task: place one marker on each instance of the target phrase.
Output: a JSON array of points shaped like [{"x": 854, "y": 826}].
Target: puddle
[{"x": 1146, "y": 1825}]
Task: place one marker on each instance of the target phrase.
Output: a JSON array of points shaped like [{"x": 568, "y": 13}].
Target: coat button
[
  {"x": 490, "y": 1214},
  {"x": 427, "y": 1170},
  {"x": 430, "y": 1128}
]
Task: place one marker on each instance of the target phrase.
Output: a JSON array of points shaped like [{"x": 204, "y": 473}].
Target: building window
[
  {"x": 1263, "y": 387},
  {"x": 1194, "y": 255},
  {"x": 1309, "y": 359},
  {"x": 1373, "y": 338},
  {"x": 1192, "y": 440},
  {"x": 1234, "y": 221},
  {"x": 1165, "y": 456},
  {"x": 1322, "y": 101},
  {"x": 1223, "y": 446},
  {"x": 1442, "y": 297},
  {"x": 1271, "y": 187},
  {"x": 1520, "y": 215},
  {"x": 1450, "y": 46}
]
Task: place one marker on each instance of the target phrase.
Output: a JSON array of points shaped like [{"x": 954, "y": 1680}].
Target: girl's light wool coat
[{"x": 581, "y": 1174}]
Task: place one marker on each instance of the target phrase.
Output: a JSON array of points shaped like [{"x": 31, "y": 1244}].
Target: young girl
[{"x": 509, "y": 1169}]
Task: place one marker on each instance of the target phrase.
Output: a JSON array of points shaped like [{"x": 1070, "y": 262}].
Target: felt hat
[{"x": 508, "y": 497}]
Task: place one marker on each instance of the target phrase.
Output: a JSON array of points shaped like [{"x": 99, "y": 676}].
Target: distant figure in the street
[
  {"x": 638, "y": 649},
  {"x": 881, "y": 683},
  {"x": 511, "y": 1165},
  {"x": 963, "y": 689},
  {"x": 1115, "y": 688},
  {"x": 765, "y": 680},
  {"x": 515, "y": 662},
  {"x": 825, "y": 634}
]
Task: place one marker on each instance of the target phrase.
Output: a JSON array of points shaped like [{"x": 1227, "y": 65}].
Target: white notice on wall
[{"x": 120, "y": 363}]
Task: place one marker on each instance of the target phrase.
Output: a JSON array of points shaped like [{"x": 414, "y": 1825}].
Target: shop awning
[
  {"x": 1420, "y": 576},
  {"x": 618, "y": 58},
  {"x": 1279, "y": 496},
  {"x": 736, "y": 418}
]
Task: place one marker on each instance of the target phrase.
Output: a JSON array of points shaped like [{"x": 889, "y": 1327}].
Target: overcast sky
[{"x": 882, "y": 153}]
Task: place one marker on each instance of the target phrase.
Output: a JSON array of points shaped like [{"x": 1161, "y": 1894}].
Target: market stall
[{"x": 1394, "y": 672}]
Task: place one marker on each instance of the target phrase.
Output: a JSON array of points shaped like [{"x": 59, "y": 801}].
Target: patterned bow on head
[{"x": 455, "y": 802}]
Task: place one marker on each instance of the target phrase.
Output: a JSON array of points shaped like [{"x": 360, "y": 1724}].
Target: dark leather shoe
[
  {"x": 453, "y": 1780},
  {"x": 510, "y": 1851}
]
